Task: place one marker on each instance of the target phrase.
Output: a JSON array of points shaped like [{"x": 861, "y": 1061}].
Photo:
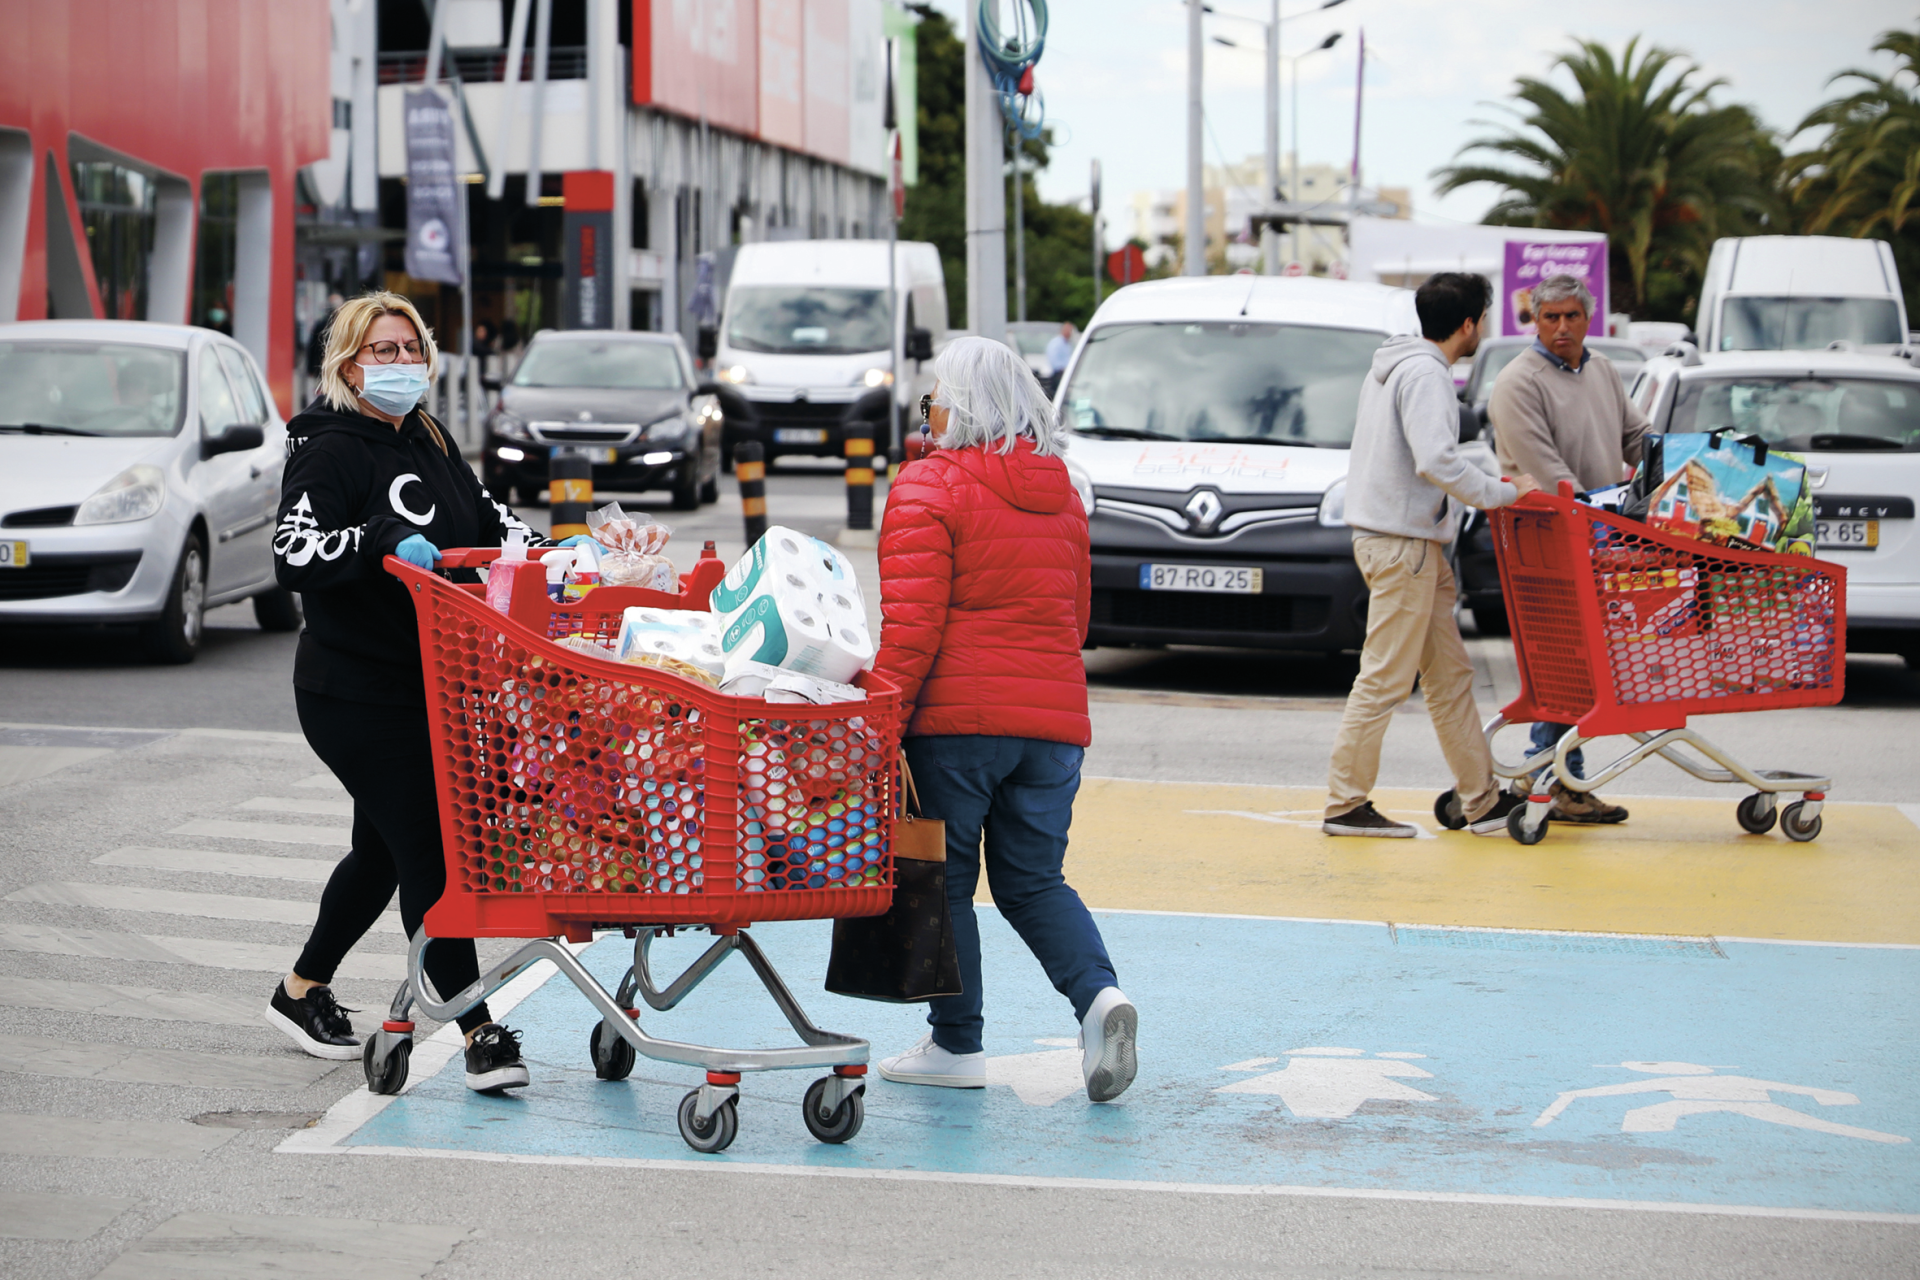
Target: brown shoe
[{"x": 1584, "y": 807}]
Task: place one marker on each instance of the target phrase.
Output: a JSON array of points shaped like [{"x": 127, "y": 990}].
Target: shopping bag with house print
[{"x": 1730, "y": 490}]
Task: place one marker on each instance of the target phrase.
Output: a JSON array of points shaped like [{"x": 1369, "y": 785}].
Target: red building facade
[{"x": 148, "y": 160}]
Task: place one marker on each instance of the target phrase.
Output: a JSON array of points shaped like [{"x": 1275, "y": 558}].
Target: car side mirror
[
  {"x": 708, "y": 341},
  {"x": 1470, "y": 423},
  {"x": 919, "y": 344},
  {"x": 235, "y": 439}
]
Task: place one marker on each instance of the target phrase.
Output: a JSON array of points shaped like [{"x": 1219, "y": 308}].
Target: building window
[
  {"x": 213, "y": 257},
  {"x": 116, "y": 209}
]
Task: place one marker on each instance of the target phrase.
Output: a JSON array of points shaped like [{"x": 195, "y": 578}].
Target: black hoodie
[{"x": 354, "y": 489}]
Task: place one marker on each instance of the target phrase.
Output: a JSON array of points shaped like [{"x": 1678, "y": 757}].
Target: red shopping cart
[
  {"x": 1621, "y": 629},
  {"x": 580, "y": 794}
]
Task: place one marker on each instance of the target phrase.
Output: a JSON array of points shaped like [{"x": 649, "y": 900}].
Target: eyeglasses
[
  {"x": 926, "y": 407},
  {"x": 388, "y": 352}
]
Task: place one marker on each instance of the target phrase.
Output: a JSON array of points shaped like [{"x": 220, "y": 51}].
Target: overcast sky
[{"x": 1114, "y": 77}]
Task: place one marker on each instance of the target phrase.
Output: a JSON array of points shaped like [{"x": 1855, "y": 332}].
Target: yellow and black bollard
[
  {"x": 569, "y": 491},
  {"x": 750, "y": 469},
  {"x": 859, "y": 437}
]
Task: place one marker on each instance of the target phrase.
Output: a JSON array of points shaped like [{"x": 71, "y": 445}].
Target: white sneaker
[
  {"x": 928, "y": 1063},
  {"x": 1106, "y": 1045}
]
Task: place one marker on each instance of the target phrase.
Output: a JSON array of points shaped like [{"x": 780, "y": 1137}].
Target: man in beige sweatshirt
[{"x": 1559, "y": 412}]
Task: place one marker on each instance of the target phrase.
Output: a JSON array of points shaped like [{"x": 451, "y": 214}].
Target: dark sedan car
[{"x": 629, "y": 400}]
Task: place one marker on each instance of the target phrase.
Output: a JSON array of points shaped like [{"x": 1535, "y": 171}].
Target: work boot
[
  {"x": 1583, "y": 807},
  {"x": 1367, "y": 821}
]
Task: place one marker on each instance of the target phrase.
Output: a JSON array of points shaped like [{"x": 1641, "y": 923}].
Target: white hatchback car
[
  {"x": 139, "y": 476},
  {"x": 1856, "y": 419}
]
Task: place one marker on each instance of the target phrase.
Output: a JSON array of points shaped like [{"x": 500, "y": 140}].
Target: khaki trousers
[{"x": 1410, "y": 629}]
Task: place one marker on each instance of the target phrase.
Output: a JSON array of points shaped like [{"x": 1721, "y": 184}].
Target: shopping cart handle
[{"x": 473, "y": 557}]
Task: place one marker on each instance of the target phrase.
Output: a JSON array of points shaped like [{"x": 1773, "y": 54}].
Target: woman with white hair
[{"x": 985, "y": 590}]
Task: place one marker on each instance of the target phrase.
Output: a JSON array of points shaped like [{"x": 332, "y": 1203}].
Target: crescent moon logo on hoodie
[{"x": 400, "y": 507}]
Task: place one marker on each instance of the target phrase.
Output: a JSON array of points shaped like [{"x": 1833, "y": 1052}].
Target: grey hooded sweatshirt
[{"x": 1406, "y": 460}]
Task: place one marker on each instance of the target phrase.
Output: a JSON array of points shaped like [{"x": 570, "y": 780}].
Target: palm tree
[
  {"x": 1864, "y": 177},
  {"x": 1639, "y": 151}
]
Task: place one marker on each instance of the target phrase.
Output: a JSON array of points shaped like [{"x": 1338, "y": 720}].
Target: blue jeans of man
[
  {"x": 1011, "y": 799},
  {"x": 1546, "y": 736}
]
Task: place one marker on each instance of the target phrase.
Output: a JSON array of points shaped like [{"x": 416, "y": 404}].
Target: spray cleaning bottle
[{"x": 510, "y": 566}]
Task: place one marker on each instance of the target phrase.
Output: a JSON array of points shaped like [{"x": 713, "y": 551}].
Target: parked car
[
  {"x": 139, "y": 476},
  {"x": 1213, "y": 417},
  {"x": 628, "y": 400},
  {"x": 803, "y": 346},
  {"x": 1772, "y": 293}
]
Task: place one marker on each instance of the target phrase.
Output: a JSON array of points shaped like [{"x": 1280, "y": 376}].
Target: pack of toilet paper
[
  {"x": 684, "y": 641},
  {"x": 793, "y": 602}
]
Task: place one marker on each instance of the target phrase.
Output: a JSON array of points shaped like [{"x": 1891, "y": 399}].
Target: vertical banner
[
  {"x": 435, "y": 239},
  {"x": 588, "y": 231},
  {"x": 1528, "y": 263}
]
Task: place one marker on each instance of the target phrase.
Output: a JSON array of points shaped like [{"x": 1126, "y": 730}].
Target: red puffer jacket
[{"x": 985, "y": 592}]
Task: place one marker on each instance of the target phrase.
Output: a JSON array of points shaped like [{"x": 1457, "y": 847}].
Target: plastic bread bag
[{"x": 635, "y": 550}]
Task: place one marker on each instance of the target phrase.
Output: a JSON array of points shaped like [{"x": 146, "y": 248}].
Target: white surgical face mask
[{"x": 393, "y": 388}]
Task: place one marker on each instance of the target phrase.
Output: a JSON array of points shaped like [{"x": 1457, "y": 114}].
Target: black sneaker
[
  {"x": 315, "y": 1022},
  {"x": 1367, "y": 821},
  {"x": 1494, "y": 821},
  {"x": 493, "y": 1060}
]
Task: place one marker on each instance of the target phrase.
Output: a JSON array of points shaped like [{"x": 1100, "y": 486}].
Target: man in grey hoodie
[{"x": 1405, "y": 473}]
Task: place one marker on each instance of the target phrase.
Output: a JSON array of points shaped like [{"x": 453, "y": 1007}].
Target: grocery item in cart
[
  {"x": 1729, "y": 490},
  {"x": 683, "y": 641},
  {"x": 511, "y": 563},
  {"x": 572, "y": 572},
  {"x": 793, "y": 602},
  {"x": 775, "y": 684},
  {"x": 636, "y": 545}
]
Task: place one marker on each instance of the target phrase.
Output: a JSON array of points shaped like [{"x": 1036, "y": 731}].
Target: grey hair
[
  {"x": 992, "y": 398},
  {"x": 1559, "y": 288}
]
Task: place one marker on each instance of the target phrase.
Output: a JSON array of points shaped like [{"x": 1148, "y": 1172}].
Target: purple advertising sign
[{"x": 1530, "y": 262}]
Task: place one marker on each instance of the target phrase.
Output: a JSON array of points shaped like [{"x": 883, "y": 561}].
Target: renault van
[{"x": 1214, "y": 418}]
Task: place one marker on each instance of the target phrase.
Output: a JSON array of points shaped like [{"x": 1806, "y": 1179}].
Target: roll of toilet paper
[
  {"x": 793, "y": 602},
  {"x": 665, "y": 636}
]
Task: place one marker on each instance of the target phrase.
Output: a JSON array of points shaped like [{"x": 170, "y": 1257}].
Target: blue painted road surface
[{"x": 1277, "y": 1053}]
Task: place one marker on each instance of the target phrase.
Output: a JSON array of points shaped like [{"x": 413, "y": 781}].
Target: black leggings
[{"x": 384, "y": 757}]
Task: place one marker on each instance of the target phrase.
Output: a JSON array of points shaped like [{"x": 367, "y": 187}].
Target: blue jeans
[
  {"x": 1545, "y": 736},
  {"x": 1018, "y": 792}
]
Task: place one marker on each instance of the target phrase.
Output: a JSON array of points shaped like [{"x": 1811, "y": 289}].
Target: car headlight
[
  {"x": 736, "y": 374},
  {"x": 875, "y": 378},
  {"x": 1333, "y": 507},
  {"x": 512, "y": 428},
  {"x": 709, "y": 409},
  {"x": 672, "y": 425},
  {"x": 134, "y": 494}
]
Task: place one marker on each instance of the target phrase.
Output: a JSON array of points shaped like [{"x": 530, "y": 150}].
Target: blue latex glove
[
  {"x": 579, "y": 539},
  {"x": 417, "y": 551}
]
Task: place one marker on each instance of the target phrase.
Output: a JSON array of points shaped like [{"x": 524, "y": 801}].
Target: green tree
[
  {"x": 1863, "y": 179},
  {"x": 1639, "y": 151},
  {"x": 1059, "y": 237}
]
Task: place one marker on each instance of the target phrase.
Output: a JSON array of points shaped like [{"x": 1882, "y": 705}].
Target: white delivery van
[
  {"x": 1214, "y": 417},
  {"x": 1799, "y": 293},
  {"x": 803, "y": 346}
]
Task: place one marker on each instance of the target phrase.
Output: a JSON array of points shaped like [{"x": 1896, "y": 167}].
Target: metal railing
[{"x": 479, "y": 66}]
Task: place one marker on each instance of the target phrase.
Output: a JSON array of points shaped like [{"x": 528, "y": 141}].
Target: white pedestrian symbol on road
[
  {"x": 1331, "y": 1084},
  {"x": 1696, "y": 1090}
]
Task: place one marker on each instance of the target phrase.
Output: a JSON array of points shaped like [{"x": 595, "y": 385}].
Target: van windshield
[
  {"x": 92, "y": 388},
  {"x": 1827, "y": 415},
  {"x": 1806, "y": 324},
  {"x": 801, "y": 320},
  {"x": 1219, "y": 381}
]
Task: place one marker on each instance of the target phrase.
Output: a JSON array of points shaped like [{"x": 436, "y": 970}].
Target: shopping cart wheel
[
  {"x": 1447, "y": 811},
  {"x": 1793, "y": 828},
  {"x": 845, "y": 1120},
  {"x": 612, "y": 1055},
  {"x": 719, "y": 1131},
  {"x": 1757, "y": 813},
  {"x": 388, "y": 1075},
  {"x": 1517, "y": 828}
]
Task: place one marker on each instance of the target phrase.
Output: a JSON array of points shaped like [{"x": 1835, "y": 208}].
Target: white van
[
  {"x": 1214, "y": 418},
  {"x": 803, "y": 346},
  {"x": 1797, "y": 293}
]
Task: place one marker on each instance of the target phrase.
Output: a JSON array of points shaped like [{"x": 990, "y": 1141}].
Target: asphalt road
[{"x": 150, "y": 883}]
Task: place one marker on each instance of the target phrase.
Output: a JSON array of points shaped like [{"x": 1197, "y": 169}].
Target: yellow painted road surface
[{"x": 1679, "y": 866}]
